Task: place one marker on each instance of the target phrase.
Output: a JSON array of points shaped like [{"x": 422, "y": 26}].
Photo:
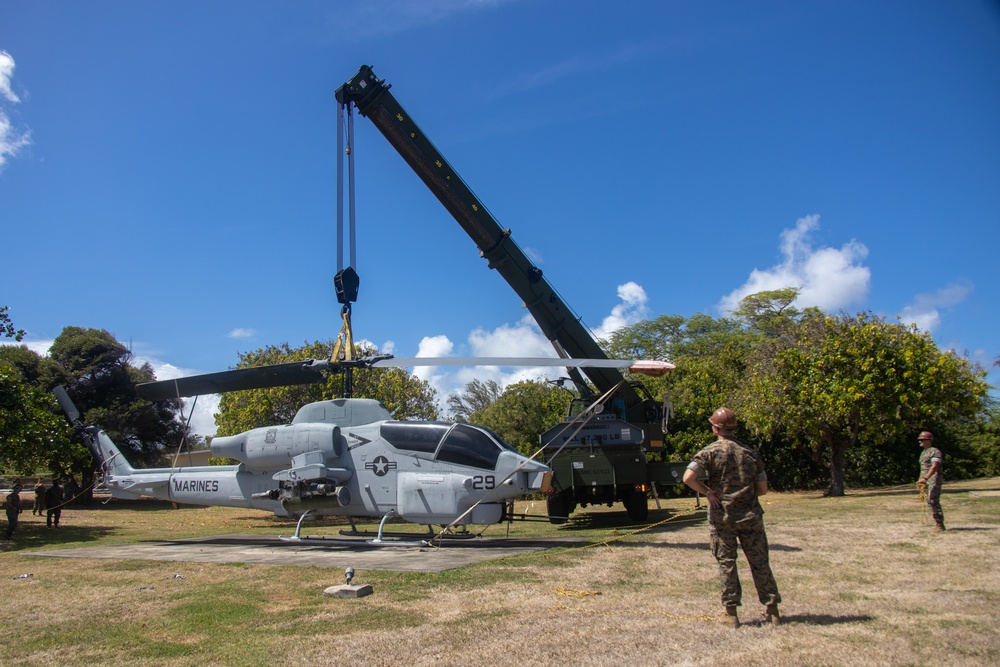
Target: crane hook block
[{"x": 347, "y": 281}]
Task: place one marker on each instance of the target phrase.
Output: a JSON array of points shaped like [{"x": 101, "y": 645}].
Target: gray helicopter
[{"x": 343, "y": 457}]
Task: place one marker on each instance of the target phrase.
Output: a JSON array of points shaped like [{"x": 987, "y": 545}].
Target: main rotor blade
[
  {"x": 276, "y": 375},
  {"x": 402, "y": 362}
]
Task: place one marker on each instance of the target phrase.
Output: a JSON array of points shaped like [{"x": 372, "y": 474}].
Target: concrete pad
[{"x": 336, "y": 552}]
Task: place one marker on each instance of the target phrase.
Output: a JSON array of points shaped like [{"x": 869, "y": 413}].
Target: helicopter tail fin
[{"x": 106, "y": 452}]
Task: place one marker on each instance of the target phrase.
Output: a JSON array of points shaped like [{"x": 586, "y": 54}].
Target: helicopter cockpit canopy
[{"x": 459, "y": 444}]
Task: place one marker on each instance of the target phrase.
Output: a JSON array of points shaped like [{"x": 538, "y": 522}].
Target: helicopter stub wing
[{"x": 309, "y": 371}]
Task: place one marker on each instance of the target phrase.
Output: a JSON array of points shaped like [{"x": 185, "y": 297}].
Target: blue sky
[{"x": 168, "y": 170}]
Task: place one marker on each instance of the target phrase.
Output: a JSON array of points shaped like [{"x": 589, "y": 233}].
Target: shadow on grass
[
  {"x": 36, "y": 536},
  {"x": 874, "y": 493},
  {"x": 823, "y": 619},
  {"x": 104, "y": 503},
  {"x": 695, "y": 546},
  {"x": 621, "y": 521},
  {"x": 603, "y": 521},
  {"x": 951, "y": 489},
  {"x": 906, "y": 490},
  {"x": 968, "y": 529}
]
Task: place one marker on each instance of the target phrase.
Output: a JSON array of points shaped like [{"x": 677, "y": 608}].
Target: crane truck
[{"x": 616, "y": 456}]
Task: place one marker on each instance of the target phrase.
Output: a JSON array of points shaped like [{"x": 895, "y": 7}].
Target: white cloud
[
  {"x": 205, "y": 407},
  {"x": 357, "y": 21},
  {"x": 576, "y": 65},
  {"x": 434, "y": 346},
  {"x": 39, "y": 347},
  {"x": 240, "y": 332},
  {"x": 6, "y": 74},
  {"x": 522, "y": 339},
  {"x": 533, "y": 255},
  {"x": 12, "y": 139},
  {"x": 203, "y": 418},
  {"x": 632, "y": 309},
  {"x": 925, "y": 311},
  {"x": 827, "y": 278}
]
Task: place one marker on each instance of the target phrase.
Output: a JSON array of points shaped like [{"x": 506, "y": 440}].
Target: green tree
[
  {"x": 405, "y": 395},
  {"x": 33, "y": 368},
  {"x": 475, "y": 398},
  {"x": 769, "y": 320},
  {"x": 982, "y": 441},
  {"x": 709, "y": 354},
  {"x": 524, "y": 411},
  {"x": 33, "y": 436},
  {"x": 7, "y": 327},
  {"x": 841, "y": 379},
  {"x": 769, "y": 313}
]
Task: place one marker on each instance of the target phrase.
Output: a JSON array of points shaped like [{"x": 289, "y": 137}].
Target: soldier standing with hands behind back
[
  {"x": 736, "y": 478},
  {"x": 932, "y": 476}
]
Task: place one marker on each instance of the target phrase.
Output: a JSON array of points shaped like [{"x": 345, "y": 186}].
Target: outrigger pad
[{"x": 348, "y": 591}]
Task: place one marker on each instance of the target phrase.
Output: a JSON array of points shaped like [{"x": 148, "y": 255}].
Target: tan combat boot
[
  {"x": 731, "y": 619},
  {"x": 771, "y": 614}
]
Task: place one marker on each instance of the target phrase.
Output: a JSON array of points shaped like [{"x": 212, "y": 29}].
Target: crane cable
[{"x": 343, "y": 348}]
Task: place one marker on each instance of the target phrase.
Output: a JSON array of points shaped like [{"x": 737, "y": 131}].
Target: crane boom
[{"x": 373, "y": 100}]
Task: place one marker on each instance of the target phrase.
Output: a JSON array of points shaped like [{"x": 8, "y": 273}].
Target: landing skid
[
  {"x": 431, "y": 533},
  {"x": 378, "y": 541}
]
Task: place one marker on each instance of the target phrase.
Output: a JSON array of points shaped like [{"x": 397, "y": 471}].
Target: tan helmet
[
  {"x": 925, "y": 435},
  {"x": 724, "y": 419}
]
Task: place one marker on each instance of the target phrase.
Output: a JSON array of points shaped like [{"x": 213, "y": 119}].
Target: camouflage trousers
[
  {"x": 11, "y": 523},
  {"x": 751, "y": 536},
  {"x": 934, "y": 502}
]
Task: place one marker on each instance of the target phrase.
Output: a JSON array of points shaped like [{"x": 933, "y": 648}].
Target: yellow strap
[{"x": 346, "y": 339}]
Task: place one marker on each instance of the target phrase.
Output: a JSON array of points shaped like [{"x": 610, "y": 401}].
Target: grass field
[{"x": 864, "y": 581}]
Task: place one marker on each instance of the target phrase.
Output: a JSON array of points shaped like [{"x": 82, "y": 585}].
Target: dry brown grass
[{"x": 864, "y": 579}]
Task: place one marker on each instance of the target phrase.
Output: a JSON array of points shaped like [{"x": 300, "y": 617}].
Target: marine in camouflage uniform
[
  {"x": 735, "y": 478},
  {"x": 13, "y": 506},
  {"x": 932, "y": 476},
  {"x": 39, "y": 506}
]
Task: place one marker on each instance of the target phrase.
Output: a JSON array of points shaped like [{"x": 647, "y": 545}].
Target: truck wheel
[
  {"x": 558, "y": 508},
  {"x": 637, "y": 505}
]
